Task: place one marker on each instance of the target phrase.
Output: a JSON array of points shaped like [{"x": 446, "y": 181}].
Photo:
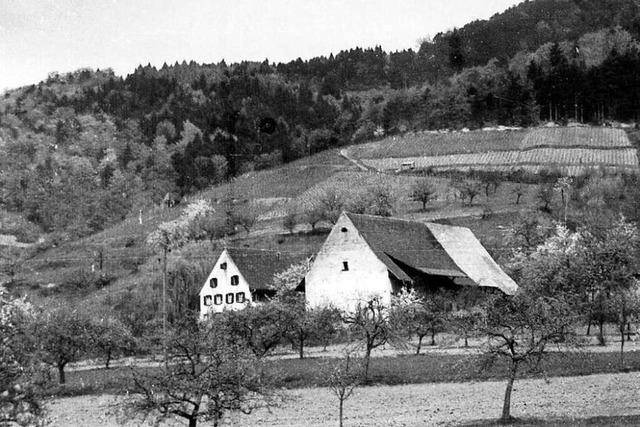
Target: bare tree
[
  {"x": 332, "y": 204},
  {"x": 343, "y": 377},
  {"x": 545, "y": 196},
  {"x": 519, "y": 190},
  {"x": 369, "y": 321},
  {"x": 210, "y": 374},
  {"x": 423, "y": 192},
  {"x": 468, "y": 190},
  {"x": 520, "y": 328}
]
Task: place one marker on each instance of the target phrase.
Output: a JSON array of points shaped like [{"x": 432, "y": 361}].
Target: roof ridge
[{"x": 412, "y": 221}]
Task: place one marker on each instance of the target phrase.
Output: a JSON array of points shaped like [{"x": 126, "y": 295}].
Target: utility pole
[{"x": 164, "y": 305}]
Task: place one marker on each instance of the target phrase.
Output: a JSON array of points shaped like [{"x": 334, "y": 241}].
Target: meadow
[{"x": 429, "y": 367}]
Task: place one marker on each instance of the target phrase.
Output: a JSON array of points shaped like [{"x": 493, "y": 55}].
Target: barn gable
[{"x": 380, "y": 253}]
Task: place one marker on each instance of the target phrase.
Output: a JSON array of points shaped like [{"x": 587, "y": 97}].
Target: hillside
[
  {"x": 89, "y": 159},
  {"x": 571, "y": 151}
]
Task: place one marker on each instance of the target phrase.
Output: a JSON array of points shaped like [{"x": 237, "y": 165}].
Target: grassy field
[{"x": 385, "y": 370}]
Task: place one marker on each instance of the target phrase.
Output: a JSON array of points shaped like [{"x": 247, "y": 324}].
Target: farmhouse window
[
  {"x": 343, "y": 229},
  {"x": 240, "y": 297},
  {"x": 223, "y": 266},
  {"x": 207, "y": 300},
  {"x": 213, "y": 282},
  {"x": 217, "y": 300},
  {"x": 345, "y": 266},
  {"x": 229, "y": 298},
  {"x": 235, "y": 280}
]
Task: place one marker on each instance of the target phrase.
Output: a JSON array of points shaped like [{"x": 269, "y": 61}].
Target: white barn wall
[
  {"x": 327, "y": 283},
  {"x": 224, "y": 287}
]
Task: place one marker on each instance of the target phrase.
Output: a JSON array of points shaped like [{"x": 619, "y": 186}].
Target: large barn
[{"x": 366, "y": 256}]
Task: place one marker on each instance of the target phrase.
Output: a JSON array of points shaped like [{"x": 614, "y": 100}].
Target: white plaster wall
[
  {"x": 224, "y": 287},
  {"x": 328, "y": 284}
]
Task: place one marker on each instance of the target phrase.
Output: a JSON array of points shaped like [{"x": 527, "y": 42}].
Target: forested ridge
[{"x": 82, "y": 150}]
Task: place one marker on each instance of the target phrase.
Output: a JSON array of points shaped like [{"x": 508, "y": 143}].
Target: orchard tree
[
  {"x": 607, "y": 270},
  {"x": 420, "y": 315},
  {"x": 519, "y": 190},
  {"x": 21, "y": 379},
  {"x": 110, "y": 337},
  {"x": 210, "y": 375},
  {"x": 342, "y": 377},
  {"x": 290, "y": 221},
  {"x": 369, "y": 322},
  {"x": 300, "y": 326},
  {"x": 423, "y": 192},
  {"x": 545, "y": 196},
  {"x": 332, "y": 204},
  {"x": 63, "y": 335},
  {"x": 468, "y": 190},
  {"x": 260, "y": 327},
  {"x": 313, "y": 215},
  {"x": 521, "y": 327}
]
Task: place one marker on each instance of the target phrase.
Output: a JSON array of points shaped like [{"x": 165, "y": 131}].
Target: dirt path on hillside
[
  {"x": 568, "y": 398},
  {"x": 360, "y": 166}
]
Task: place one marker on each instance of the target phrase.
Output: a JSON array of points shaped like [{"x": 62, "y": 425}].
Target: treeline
[{"x": 84, "y": 149}]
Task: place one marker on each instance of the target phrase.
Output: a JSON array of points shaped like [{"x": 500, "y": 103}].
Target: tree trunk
[
  {"x": 589, "y": 327},
  {"x": 466, "y": 341},
  {"x": 367, "y": 358},
  {"x": 419, "y": 344},
  {"x": 193, "y": 422},
  {"x": 61, "y": 377},
  {"x": 601, "y": 340},
  {"x": 506, "y": 408},
  {"x": 301, "y": 348},
  {"x": 341, "y": 405},
  {"x": 621, "y": 345},
  {"x": 433, "y": 337},
  {"x": 106, "y": 364}
]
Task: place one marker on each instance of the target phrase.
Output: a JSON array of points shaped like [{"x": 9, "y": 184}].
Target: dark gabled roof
[
  {"x": 258, "y": 266},
  {"x": 433, "y": 249},
  {"x": 408, "y": 242}
]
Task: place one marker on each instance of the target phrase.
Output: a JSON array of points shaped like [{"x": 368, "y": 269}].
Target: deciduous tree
[
  {"x": 209, "y": 375},
  {"x": 423, "y": 192}
]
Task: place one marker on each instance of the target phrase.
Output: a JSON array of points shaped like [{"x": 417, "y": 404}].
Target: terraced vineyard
[
  {"x": 572, "y": 151},
  {"x": 436, "y": 143}
]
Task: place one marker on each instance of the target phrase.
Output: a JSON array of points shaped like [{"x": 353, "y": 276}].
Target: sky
[{"x": 41, "y": 36}]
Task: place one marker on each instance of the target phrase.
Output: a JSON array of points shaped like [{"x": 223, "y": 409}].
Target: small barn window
[
  {"x": 217, "y": 300},
  {"x": 240, "y": 297},
  {"x": 235, "y": 280},
  {"x": 223, "y": 266},
  {"x": 344, "y": 229},
  {"x": 207, "y": 300},
  {"x": 229, "y": 298},
  {"x": 345, "y": 266},
  {"x": 213, "y": 282}
]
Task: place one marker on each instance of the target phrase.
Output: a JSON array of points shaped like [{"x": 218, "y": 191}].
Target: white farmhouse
[
  {"x": 239, "y": 277},
  {"x": 366, "y": 256}
]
